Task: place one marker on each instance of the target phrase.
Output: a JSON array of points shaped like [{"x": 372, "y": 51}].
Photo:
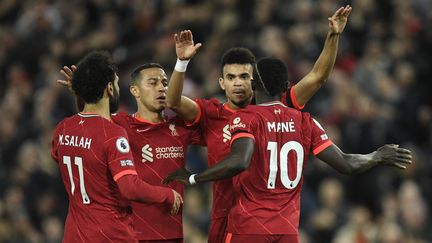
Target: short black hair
[
  {"x": 92, "y": 75},
  {"x": 273, "y": 74},
  {"x": 238, "y": 55},
  {"x": 135, "y": 74}
]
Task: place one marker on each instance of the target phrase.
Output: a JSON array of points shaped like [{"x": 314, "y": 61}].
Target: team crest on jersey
[
  {"x": 173, "y": 130},
  {"x": 122, "y": 145},
  {"x": 237, "y": 123}
]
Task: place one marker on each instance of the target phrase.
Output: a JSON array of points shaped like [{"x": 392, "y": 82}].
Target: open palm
[
  {"x": 339, "y": 19},
  {"x": 185, "y": 48}
]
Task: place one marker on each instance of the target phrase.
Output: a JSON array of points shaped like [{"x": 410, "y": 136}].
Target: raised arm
[
  {"x": 311, "y": 83},
  {"x": 390, "y": 155},
  {"x": 237, "y": 161},
  {"x": 186, "y": 108}
]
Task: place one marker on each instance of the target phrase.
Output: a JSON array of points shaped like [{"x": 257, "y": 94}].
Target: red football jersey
[
  {"x": 268, "y": 192},
  {"x": 92, "y": 153},
  {"x": 158, "y": 149},
  {"x": 213, "y": 119}
]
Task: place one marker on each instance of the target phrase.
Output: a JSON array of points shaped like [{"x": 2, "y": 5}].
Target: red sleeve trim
[
  {"x": 323, "y": 146},
  {"x": 228, "y": 238},
  {"x": 197, "y": 118},
  {"x": 242, "y": 135},
  {"x": 123, "y": 173},
  {"x": 294, "y": 99}
]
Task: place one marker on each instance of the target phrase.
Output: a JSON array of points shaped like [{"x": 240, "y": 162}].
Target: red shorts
[
  {"x": 231, "y": 238},
  {"x": 217, "y": 231}
]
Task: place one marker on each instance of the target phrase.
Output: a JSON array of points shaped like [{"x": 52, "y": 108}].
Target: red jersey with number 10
[
  {"x": 268, "y": 192},
  {"x": 213, "y": 118},
  {"x": 92, "y": 153}
]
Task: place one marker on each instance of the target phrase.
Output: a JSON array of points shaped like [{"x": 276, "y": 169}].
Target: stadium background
[{"x": 378, "y": 92}]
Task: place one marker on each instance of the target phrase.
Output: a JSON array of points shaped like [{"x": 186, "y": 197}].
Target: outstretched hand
[
  {"x": 392, "y": 155},
  {"x": 181, "y": 175},
  {"x": 185, "y": 47},
  {"x": 339, "y": 19},
  {"x": 67, "y": 74}
]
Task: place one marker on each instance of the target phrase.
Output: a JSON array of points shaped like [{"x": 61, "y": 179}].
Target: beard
[
  {"x": 242, "y": 103},
  {"x": 114, "y": 101}
]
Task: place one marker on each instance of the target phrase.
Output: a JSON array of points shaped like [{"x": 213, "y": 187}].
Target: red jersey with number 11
[{"x": 92, "y": 153}]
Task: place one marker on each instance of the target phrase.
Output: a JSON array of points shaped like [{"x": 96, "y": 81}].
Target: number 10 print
[{"x": 286, "y": 148}]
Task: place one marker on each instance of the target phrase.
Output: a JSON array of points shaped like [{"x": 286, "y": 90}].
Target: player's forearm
[
  {"x": 175, "y": 89},
  {"x": 347, "y": 163},
  {"x": 185, "y": 108},
  {"x": 358, "y": 163},
  {"x": 237, "y": 161},
  {"x": 324, "y": 65},
  {"x": 135, "y": 189},
  {"x": 312, "y": 82},
  {"x": 227, "y": 168}
]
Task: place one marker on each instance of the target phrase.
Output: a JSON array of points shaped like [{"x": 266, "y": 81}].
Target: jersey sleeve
[
  {"x": 120, "y": 160},
  {"x": 55, "y": 141},
  {"x": 242, "y": 124},
  {"x": 289, "y": 99},
  {"x": 319, "y": 138},
  {"x": 201, "y": 109},
  {"x": 196, "y": 136}
]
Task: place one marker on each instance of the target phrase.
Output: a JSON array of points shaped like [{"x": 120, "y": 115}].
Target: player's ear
[
  {"x": 134, "y": 91},
  {"x": 222, "y": 83},
  {"x": 110, "y": 89}
]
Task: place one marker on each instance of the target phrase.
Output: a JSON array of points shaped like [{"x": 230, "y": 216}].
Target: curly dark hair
[
  {"x": 273, "y": 75},
  {"x": 92, "y": 75},
  {"x": 136, "y": 72},
  {"x": 238, "y": 55}
]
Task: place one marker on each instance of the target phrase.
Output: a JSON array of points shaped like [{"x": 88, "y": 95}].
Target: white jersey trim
[{"x": 272, "y": 103}]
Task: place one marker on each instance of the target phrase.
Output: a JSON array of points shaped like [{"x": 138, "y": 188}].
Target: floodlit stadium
[{"x": 377, "y": 93}]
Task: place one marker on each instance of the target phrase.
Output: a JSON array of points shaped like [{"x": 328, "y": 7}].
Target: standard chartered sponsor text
[{"x": 171, "y": 152}]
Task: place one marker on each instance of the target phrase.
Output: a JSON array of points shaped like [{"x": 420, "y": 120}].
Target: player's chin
[
  {"x": 160, "y": 106},
  {"x": 240, "y": 101}
]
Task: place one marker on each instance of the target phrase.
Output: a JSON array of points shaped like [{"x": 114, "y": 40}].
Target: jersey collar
[
  {"x": 140, "y": 119},
  {"x": 226, "y": 107},
  {"x": 270, "y": 103}
]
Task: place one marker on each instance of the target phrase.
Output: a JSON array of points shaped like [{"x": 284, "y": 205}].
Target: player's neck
[
  {"x": 232, "y": 106},
  {"x": 99, "y": 108},
  {"x": 235, "y": 107},
  {"x": 151, "y": 116},
  {"x": 261, "y": 97}
]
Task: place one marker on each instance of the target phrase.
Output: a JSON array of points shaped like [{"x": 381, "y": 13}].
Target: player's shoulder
[
  {"x": 66, "y": 122},
  {"x": 110, "y": 127},
  {"x": 176, "y": 120},
  {"x": 209, "y": 102},
  {"x": 251, "y": 109},
  {"x": 120, "y": 116}
]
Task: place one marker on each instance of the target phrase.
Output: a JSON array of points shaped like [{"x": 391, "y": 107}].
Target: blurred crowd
[{"x": 378, "y": 92}]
